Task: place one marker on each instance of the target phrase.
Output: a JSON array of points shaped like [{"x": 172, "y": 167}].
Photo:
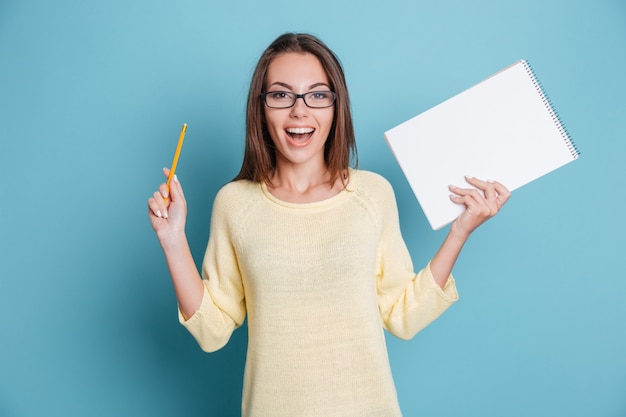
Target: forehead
[{"x": 296, "y": 70}]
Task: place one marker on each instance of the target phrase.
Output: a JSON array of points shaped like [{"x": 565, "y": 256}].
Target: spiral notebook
[{"x": 503, "y": 128}]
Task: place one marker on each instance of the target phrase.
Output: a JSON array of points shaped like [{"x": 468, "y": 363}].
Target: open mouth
[{"x": 300, "y": 134}]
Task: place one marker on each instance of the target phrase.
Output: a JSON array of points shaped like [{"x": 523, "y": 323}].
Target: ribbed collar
[{"x": 326, "y": 203}]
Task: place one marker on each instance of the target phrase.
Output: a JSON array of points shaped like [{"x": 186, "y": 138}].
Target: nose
[{"x": 299, "y": 108}]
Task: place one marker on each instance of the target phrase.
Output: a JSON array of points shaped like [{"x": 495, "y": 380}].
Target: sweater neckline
[{"x": 337, "y": 198}]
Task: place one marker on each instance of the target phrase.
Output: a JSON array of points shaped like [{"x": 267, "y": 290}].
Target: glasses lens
[
  {"x": 280, "y": 99},
  {"x": 319, "y": 99}
]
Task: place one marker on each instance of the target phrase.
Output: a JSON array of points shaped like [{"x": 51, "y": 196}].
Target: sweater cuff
[
  {"x": 448, "y": 292},
  {"x": 195, "y": 316}
]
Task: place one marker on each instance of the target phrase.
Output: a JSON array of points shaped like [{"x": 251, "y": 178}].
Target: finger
[
  {"x": 475, "y": 193},
  {"x": 176, "y": 190},
  {"x": 163, "y": 189},
  {"x": 166, "y": 173},
  {"x": 503, "y": 193},
  {"x": 153, "y": 210},
  {"x": 481, "y": 200},
  {"x": 474, "y": 208},
  {"x": 490, "y": 191},
  {"x": 480, "y": 184},
  {"x": 458, "y": 199},
  {"x": 494, "y": 192},
  {"x": 485, "y": 186},
  {"x": 156, "y": 206},
  {"x": 469, "y": 198}
]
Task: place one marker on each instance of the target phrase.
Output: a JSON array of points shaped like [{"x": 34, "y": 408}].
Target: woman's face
[{"x": 299, "y": 132}]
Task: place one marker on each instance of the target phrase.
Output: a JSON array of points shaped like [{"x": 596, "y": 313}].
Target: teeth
[{"x": 300, "y": 130}]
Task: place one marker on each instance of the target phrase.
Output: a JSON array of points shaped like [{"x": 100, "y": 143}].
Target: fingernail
[
  {"x": 452, "y": 186},
  {"x": 490, "y": 181},
  {"x": 175, "y": 178},
  {"x": 165, "y": 214},
  {"x": 158, "y": 213},
  {"x": 164, "y": 193},
  {"x": 469, "y": 177}
]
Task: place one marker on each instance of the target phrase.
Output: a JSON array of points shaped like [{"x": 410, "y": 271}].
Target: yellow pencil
[{"x": 181, "y": 138}]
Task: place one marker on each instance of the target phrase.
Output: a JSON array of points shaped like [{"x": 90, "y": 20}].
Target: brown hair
[{"x": 259, "y": 158}]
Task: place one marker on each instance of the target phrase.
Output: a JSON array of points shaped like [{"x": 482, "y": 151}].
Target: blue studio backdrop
[{"x": 92, "y": 98}]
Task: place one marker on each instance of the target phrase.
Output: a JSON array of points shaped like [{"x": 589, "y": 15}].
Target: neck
[
  {"x": 303, "y": 184},
  {"x": 299, "y": 178}
]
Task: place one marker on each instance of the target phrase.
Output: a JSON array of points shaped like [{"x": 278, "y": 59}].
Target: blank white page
[{"x": 501, "y": 129}]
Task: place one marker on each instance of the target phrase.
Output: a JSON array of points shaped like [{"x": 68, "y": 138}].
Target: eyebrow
[{"x": 281, "y": 84}]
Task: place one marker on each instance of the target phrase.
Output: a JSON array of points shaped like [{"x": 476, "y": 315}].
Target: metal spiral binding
[{"x": 571, "y": 146}]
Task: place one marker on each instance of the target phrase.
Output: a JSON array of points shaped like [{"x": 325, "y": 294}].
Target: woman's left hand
[{"x": 481, "y": 203}]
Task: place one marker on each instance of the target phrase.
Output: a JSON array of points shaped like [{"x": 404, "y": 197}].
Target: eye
[
  {"x": 279, "y": 96},
  {"x": 320, "y": 95}
]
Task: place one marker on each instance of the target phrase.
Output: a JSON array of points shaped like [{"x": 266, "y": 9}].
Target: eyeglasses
[{"x": 286, "y": 99}]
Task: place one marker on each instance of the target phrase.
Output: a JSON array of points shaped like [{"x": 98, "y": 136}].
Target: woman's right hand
[
  {"x": 168, "y": 211},
  {"x": 168, "y": 214}
]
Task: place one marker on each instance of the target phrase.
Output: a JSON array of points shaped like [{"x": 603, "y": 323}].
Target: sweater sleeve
[
  {"x": 223, "y": 307},
  {"x": 407, "y": 301}
]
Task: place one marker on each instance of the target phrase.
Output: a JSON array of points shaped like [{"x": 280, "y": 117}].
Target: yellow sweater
[{"x": 319, "y": 282}]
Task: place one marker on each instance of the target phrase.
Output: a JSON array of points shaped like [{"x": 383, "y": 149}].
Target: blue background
[{"x": 92, "y": 97}]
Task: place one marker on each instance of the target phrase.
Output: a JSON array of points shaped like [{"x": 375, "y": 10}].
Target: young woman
[{"x": 310, "y": 250}]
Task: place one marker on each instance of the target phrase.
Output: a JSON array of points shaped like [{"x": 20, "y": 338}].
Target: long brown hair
[{"x": 259, "y": 160}]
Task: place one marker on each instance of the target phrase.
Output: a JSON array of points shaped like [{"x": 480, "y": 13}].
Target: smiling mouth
[{"x": 300, "y": 133}]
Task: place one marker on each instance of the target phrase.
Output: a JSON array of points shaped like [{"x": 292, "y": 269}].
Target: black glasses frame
[{"x": 296, "y": 97}]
